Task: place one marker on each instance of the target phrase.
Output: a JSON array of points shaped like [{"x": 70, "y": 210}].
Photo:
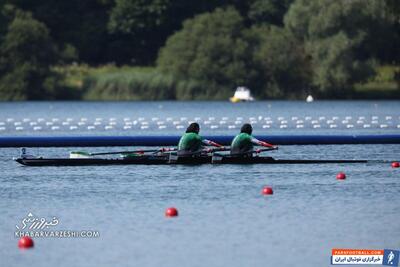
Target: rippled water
[{"x": 223, "y": 220}]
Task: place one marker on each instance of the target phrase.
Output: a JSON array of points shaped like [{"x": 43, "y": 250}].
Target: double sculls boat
[{"x": 165, "y": 157}]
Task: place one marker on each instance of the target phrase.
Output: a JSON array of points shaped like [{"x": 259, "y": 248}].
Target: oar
[
  {"x": 257, "y": 151},
  {"x": 140, "y": 151},
  {"x": 83, "y": 154},
  {"x": 203, "y": 151}
]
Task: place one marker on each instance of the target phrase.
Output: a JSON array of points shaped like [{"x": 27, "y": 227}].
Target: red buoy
[
  {"x": 267, "y": 190},
  {"x": 171, "y": 212},
  {"x": 341, "y": 176},
  {"x": 395, "y": 164},
  {"x": 25, "y": 242}
]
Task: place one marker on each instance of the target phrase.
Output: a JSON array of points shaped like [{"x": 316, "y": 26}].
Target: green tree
[
  {"x": 26, "y": 54},
  {"x": 211, "y": 49},
  {"x": 285, "y": 69},
  {"x": 337, "y": 36},
  {"x": 268, "y": 11},
  {"x": 144, "y": 26},
  {"x": 78, "y": 27}
]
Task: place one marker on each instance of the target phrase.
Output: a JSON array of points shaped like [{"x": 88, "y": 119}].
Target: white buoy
[{"x": 309, "y": 99}]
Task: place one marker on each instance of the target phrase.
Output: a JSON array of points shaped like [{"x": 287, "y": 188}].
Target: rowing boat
[{"x": 166, "y": 160}]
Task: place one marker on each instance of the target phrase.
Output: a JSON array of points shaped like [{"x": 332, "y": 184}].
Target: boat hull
[{"x": 161, "y": 160}]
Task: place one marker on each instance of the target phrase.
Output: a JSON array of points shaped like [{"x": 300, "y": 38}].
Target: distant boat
[
  {"x": 241, "y": 94},
  {"x": 309, "y": 99}
]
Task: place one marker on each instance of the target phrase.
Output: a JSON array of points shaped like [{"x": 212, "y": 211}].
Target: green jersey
[
  {"x": 242, "y": 143},
  {"x": 190, "y": 142}
]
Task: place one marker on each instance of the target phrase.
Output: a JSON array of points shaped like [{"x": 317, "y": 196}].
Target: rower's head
[
  {"x": 246, "y": 128},
  {"x": 194, "y": 127}
]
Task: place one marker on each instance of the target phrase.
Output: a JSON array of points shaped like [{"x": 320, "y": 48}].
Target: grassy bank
[
  {"x": 130, "y": 83},
  {"x": 382, "y": 86},
  {"x": 110, "y": 82}
]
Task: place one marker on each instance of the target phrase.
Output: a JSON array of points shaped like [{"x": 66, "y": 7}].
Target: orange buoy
[
  {"x": 25, "y": 242},
  {"x": 267, "y": 190},
  {"x": 395, "y": 164},
  {"x": 341, "y": 176},
  {"x": 171, "y": 212}
]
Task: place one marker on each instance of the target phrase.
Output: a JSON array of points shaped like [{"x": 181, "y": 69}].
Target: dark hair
[
  {"x": 246, "y": 128},
  {"x": 193, "y": 128}
]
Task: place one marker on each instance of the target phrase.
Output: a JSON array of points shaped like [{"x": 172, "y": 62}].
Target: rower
[
  {"x": 191, "y": 142},
  {"x": 242, "y": 144}
]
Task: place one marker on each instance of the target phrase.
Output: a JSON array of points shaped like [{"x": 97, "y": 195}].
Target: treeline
[{"x": 195, "y": 49}]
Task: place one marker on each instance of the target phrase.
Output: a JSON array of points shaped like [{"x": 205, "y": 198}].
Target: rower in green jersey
[
  {"x": 243, "y": 143},
  {"x": 191, "y": 142}
]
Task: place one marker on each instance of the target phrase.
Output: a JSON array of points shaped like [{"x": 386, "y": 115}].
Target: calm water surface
[{"x": 223, "y": 220}]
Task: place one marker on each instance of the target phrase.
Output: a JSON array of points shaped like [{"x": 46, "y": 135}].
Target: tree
[
  {"x": 268, "y": 11},
  {"x": 285, "y": 69},
  {"x": 78, "y": 27},
  {"x": 26, "y": 54},
  {"x": 211, "y": 49},
  {"x": 144, "y": 26},
  {"x": 336, "y": 36}
]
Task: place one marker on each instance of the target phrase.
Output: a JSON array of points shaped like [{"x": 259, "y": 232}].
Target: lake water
[{"x": 223, "y": 218}]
